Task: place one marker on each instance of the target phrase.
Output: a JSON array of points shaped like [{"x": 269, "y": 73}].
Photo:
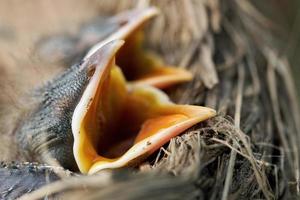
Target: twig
[{"x": 237, "y": 118}]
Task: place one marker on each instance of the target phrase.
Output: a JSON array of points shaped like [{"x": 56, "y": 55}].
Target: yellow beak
[
  {"x": 116, "y": 124},
  {"x": 138, "y": 65}
]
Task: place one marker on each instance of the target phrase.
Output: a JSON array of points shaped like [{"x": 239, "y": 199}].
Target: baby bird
[{"x": 106, "y": 111}]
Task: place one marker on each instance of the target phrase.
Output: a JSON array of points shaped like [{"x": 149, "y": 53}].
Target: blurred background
[
  {"x": 286, "y": 14},
  {"x": 23, "y": 24}
]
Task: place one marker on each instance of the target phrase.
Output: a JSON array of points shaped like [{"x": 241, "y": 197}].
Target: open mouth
[
  {"x": 117, "y": 124},
  {"x": 137, "y": 64}
]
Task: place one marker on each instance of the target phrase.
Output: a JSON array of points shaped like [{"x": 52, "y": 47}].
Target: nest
[{"x": 250, "y": 150}]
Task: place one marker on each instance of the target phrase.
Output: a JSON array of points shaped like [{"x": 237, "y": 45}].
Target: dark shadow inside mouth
[
  {"x": 133, "y": 59},
  {"x": 115, "y": 118},
  {"x": 120, "y": 135},
  {"x": 122, "y": 118},
  {"x": 121, "y": 128}
]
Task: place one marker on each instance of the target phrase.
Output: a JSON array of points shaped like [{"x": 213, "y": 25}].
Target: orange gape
[
  {"x": 152, "y": 126},
  {"x": 137, "y": 64},
  {"x": 121, "y": 123},
  {"x": 140, "y": 66},
  {"x": 135, "y": 114}
]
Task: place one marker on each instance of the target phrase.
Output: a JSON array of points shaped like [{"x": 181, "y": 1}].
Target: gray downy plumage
[
  {"x": 46, "y": 134},
  {"x": 67, "y": 48},
  {"x": 20, "y": 178}
]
